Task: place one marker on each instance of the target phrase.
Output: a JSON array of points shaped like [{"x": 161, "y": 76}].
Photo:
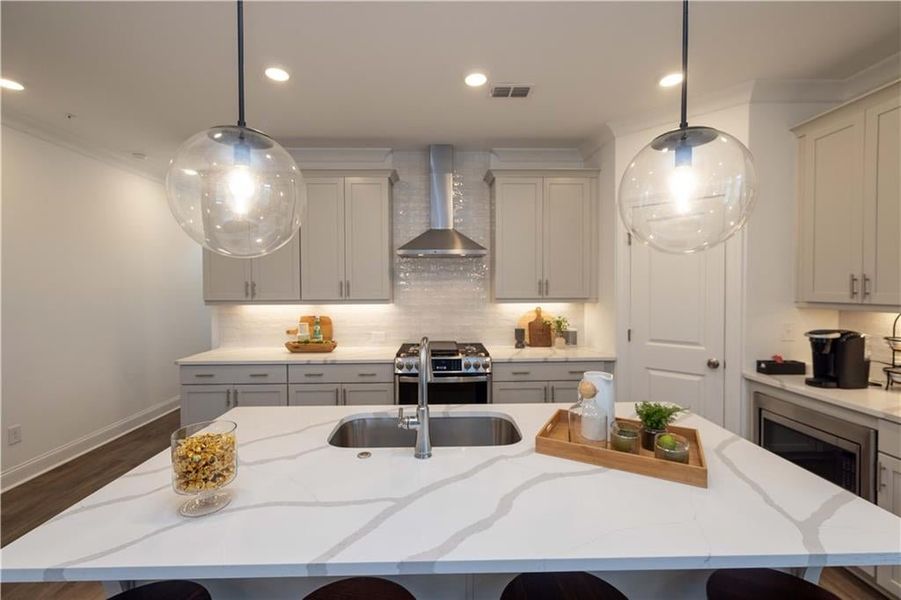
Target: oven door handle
[{"x": 436, "y": 379}]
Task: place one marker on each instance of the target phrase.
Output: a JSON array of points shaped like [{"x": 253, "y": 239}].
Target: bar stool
[
  {"x": 753, "y": 584},
  {"x": 560, "y": 586},
  {"x": 166, "y": 590},
  {"x": 361, "y": 588}
]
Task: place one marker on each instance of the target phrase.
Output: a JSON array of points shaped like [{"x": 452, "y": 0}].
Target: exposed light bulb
[
  {"x": 242, "y": 188},
  {"x": 682, "y": 184}
]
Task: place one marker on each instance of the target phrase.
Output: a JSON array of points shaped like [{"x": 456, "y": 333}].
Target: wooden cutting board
[
  {"x": 540, "y": 331},
  {"x": 526, "y": 318},
  {"x": 325, "y": 324}
]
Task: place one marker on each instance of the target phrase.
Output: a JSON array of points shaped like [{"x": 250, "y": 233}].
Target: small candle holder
[
  {"x": 671, "y": 446},
  {"x": 625, "y": 437}
]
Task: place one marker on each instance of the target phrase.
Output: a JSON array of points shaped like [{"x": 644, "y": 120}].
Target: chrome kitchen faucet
[{"x": 420, "y": 422}]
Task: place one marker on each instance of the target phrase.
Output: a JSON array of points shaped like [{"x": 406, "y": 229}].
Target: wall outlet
[
  {"x": 13, "y": 435},
  {"x": 788, "y": 332}
]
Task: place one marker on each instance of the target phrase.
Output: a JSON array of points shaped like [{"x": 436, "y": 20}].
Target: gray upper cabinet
[
  {"x": 849, "y": 195},
  {"x": 542, "y": 245},
  {"x": 343, "y": 251},
  {"x": 271, "y": 278},
  {"x": 346, "y": 237}
]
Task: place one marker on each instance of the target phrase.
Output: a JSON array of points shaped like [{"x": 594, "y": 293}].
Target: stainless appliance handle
[
  {"x": 853, "y": 285},
  {"x": 437, "y": 379}
]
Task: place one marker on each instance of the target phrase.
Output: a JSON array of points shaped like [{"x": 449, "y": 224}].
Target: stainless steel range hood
[{"x": 441, "y": 240}]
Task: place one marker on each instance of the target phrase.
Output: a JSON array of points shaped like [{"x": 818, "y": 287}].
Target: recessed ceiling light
[
  {"x": 9, "y": 84},
  {"x": 476, "y": 79},
  {"x": 277, "y": 74},
  {"x": 671, "y": 80}
]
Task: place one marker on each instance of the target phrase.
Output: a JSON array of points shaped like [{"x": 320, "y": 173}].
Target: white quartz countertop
[
  {"x": 304, "y": 508},
  {"x": 875, "y": 401},
  {"x": 377, "y": 354}
]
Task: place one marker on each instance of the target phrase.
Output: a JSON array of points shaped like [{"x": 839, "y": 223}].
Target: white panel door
[
  {"x": 889, "y": 498},
  {"x": 367, "y": 232},
  {"x": 515, "y": 392},
  {"x": 567, "y": 237},
  {"x": 678, "y": 325},
  {"x": 225, "y": 279},
  {"x": 831, "y": 211},
  {"x": 260, "y": 395},
  {"x": 517, "y": 238},
  {"x": 322, "y": 240},
  {"x": 367, "y": 393},
  {"x": 204, "y": 402},
  {"x": 882, "y": 204},
  {"x": 276, "y": 276},
  {"x": 314, "y": 394}
]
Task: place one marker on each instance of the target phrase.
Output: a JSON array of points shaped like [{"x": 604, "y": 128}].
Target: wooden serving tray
[
  {"x": 553, "y": 439},
  {"x": 297, "y": 347}
]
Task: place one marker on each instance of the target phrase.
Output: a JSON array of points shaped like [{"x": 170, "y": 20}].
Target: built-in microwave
[{"x": 842, "y": 452}]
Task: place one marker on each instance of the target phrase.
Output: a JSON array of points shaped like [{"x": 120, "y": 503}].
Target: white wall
[
  {"x": 101, "y": 293},
  {"x": 773, "y": 324},
  {"x": 439, "y": 297},
  {"x": 876, "y": 325}
]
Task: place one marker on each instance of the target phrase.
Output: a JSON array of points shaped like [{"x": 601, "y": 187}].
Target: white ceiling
[{"x": 143, "y": 76}]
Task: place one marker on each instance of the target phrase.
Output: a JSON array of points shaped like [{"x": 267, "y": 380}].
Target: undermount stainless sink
[{"x": 372, "y": 431}]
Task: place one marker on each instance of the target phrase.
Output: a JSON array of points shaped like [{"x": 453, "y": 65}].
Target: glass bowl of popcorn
[{"x": 204, "y": 461}]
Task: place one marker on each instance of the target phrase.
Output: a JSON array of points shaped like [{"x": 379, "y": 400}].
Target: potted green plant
[
  {"x": 654, "y": 419},
  {"x": 559, "y": 325}
]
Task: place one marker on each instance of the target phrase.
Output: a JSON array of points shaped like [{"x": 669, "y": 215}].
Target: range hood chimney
[{"x": 441, "y": 240}]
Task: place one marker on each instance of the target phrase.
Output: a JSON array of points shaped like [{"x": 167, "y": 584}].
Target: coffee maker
[{"x": 839, "y": 359}]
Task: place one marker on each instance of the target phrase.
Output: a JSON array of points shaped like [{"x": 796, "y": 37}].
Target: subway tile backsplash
[{"x": 439, "y": 297}]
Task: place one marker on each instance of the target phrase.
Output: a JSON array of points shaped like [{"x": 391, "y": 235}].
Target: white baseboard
[{"x": 51, "y": 459}]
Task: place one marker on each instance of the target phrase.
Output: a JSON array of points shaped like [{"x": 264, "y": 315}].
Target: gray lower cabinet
[
  {"x": 889, "y": 497},
  {"x": 333, "y": 394},
  {"x": 516, "y": 392},
  {"x": 524, "y": 382},
  {"x": 206, "y": 402}
]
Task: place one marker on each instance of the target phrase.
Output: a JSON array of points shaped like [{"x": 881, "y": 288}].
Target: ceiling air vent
[{"x": 511, "y": 91}]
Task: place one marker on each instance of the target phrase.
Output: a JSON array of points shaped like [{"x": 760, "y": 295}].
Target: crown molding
[
  {"x": 875, "y": 76},
  {"x": 342, "y": 158},
  {"x": 535, "y": 158},
  {"x": 66, "y": 140}
]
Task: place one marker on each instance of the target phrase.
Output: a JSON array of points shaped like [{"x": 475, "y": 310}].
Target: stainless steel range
[{"x": 461, "y": 373}]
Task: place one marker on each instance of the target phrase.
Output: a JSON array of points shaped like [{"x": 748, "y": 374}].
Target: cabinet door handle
[
  {"x": 367, "y": 374},
  {"x": 347, "y": 288},
  {"x": 337, "y": 396},
  {"x": 344, "y": 396},
  {"x": 228, "y": 398},
  {"x": 553, "y": 393},
  {"x": 882, "y": 470},
  {"x": 312, "y": 374},
  {"x": 246, "y": 289},
  {"x": 547, "y": 287},
  {"x": 577, "y": 372},
  {"x": 853, "y": 284},
  {"x": 259, "y": 374},
  {"x": 204, "y": 375},
  {"x": 866, "y": 285},
  {"x": 253, "y": 289},
  {"x": 235, "y": 399},
  {"x": 545, "y": 393},
  {"x": 539, "y": 287},
  {"x": 340, "y": 289},
  {"x": 521, "y": 372}
]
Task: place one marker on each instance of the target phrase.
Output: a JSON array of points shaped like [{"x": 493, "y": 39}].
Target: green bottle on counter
[{"x": 317, "y": 330}]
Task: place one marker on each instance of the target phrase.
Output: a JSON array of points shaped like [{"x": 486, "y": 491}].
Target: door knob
[{"x": 713, "y": 363}]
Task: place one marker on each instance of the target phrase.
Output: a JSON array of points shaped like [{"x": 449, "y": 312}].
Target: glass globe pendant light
[
  {"x": 233, "y": 189},
  {"x": 690, "y": 188}
]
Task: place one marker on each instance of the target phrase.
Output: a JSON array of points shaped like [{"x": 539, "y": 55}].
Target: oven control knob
[
  {"x": 467, "y": 364},
  {"x": 409, "y": 365},
  {"x": 399, "y": 364}
]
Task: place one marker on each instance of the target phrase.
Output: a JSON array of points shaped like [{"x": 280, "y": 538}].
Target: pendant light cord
[
  {"x": 241, "y": 122},
  {"x": 684, "y": 122}
]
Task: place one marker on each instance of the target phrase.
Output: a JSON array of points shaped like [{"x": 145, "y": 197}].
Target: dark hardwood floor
[{"x": 25, "y": 507}]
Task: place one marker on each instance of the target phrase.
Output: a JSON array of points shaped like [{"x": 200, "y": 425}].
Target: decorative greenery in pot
[
  {"x": 559, "y": 325},
  {"x": 654, "y": 419}
]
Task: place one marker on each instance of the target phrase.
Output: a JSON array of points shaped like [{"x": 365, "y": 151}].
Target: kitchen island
[{"x": 458, "y": 525}]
